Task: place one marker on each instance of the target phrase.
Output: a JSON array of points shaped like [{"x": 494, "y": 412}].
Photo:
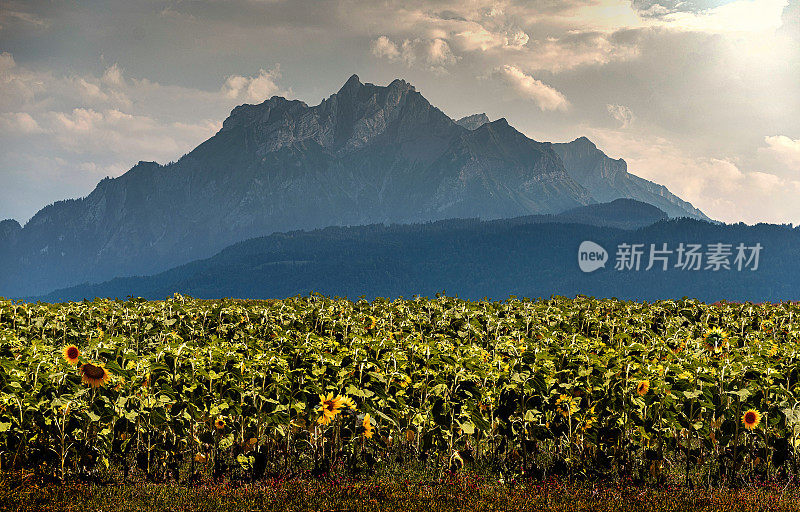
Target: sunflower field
[{"x": 186, "y": 389}]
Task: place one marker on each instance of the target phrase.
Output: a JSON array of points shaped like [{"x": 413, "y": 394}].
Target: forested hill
[{"x": 526, "y": 256}]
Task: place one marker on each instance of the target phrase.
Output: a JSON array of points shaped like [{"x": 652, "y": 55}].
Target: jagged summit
[
  {"x": 352, "y": 83},
  {"x": 473, "y": 121}
]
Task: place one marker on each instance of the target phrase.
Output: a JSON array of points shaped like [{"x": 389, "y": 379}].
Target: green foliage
[{"x": 537, "y": 387}]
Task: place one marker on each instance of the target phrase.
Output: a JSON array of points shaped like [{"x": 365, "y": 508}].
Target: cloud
[
  {"x": 255, "y": 89},
  {"x": 784, "y": 149},
  {"x": 435, "y": 54},
  {"x": 577, "y": 49},
  {"x": 18, "y": 123},
  {"x": 736, "y": 16},
  {"x": 384, "y": 47},
  {"x": 438, "y": 54},
  {"x": 113, "y": 76},
  {"x": 622, "y": 114},
  {"x": 546, "y": 97},
  {"x": 137, "y": 137},
  {"x": 478, "y": 38},
  {"x": 7, "y": 15}
]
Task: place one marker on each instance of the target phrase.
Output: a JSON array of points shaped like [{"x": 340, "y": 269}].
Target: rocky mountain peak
[
  {"x": 351, "y": 85},
  {"x": 474, "y": 121},
  {"x": 401, "y": 86},
  {"x": 584, "y": 147}
]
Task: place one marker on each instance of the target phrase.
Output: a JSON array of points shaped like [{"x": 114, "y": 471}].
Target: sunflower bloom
[
  {"x": 71, "y": 354},
  {"x": 367, "y": 426},
  {"x": 372, "y": 322},
  {"x": 219, "y": 424},
  {"x": 566, "y": 405},
  {"x": 348, "y": 403},
  {"x": 94, "y": 375},
  {"x": 329, "y": 407},
  {"x": 751, "y": 418},
  {"x": 716, "y": 339},
  {"x": 643, "y": 387}
]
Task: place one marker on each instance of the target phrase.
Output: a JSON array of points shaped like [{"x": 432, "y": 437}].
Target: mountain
[
  {"x": 473, "y": 122},
  {"x": 367, "y": 154},
  {"x": 534, "y": 256},
  {"x": 609, "y": 179}
]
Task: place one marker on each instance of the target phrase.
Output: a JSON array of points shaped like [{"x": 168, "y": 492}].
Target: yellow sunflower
[
  {"x": 94, "y": 375},
  {"x": 367, "y": 426},
  {"x": 348, "y": 403},
  {"x": 643, "y": 387},
  {"x": 751, "y": 418},
  {"x": 566, "y": 405},
  {"x": 71, "y": 354},
  {"x": 716, "y": 340},
  {"x": 372, "y": 322},
  {"x": 219, "y": 424},
  {"x": 329, "y": 407}
]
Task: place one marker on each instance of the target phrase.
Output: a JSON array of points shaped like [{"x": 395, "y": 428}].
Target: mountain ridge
[{"x": 365, "y": 154}]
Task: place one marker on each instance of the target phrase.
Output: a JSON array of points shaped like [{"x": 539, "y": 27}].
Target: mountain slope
[
  {"x": 609, "y": 179},
  {"x": 528, "y": 257},
  {"x": 366, "y": 154}
]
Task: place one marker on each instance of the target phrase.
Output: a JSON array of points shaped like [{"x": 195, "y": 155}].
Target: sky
[{"x": 702, "y": 96}]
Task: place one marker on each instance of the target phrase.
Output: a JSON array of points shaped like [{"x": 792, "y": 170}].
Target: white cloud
[
  {"x": 434, "y": 53},
  {"x": 622, "y": 114},
  {"x": 438, "y": 56},
  {"x": 578, "y": 49},
  {"x": 253, "y": 89},
  {"x": 478, "y": 37},
  {"x": 546, "y": 97},
  {"x": 737, "y": 16},
  {"x": 439, "y": 53},
  {"x": 18, "y": 123},
  {"x": 136, "y": 137},
  {"x": 384, "y": 47},
  {"x": 785, "y": 149}
]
